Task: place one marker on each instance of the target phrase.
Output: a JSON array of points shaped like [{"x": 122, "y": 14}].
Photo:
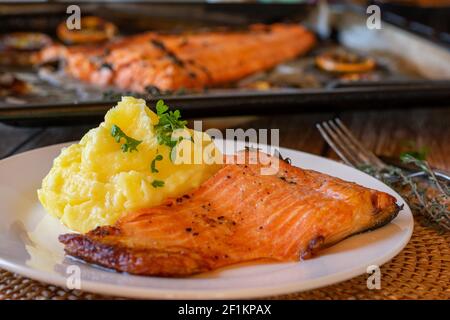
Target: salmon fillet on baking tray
[{"x": 155, "y": 61}]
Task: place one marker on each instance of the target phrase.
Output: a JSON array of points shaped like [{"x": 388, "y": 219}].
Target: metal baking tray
[{"x": 413, "y": 70}]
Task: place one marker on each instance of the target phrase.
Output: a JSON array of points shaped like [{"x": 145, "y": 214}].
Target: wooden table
[{"x": 383, "y": 131}]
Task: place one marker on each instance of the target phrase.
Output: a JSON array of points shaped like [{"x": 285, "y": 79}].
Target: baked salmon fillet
[
  {"x": 238, "y": 215},
  {"x": 162, "y": 62}
]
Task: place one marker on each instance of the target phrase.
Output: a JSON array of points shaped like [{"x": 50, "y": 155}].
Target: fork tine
[
  {"x": 346, "y": 145},
  {"x": 368, "y": 154},
  {"x": 331, "y": 138},
  {"x": 343, "y": 144},
  {"x": 349, "y": 145}
]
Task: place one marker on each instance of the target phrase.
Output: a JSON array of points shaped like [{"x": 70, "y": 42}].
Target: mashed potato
[{"x": 94, "y": 182}]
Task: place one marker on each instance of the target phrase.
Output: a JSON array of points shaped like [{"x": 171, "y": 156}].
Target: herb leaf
[
  {"x": 161, "y": 107},
  {"x": 419, "y": 154},
  {"x": 169, "y": 121},
  {"x": 157, "y": 183},
  {"x": 130, "y": 144},
  {"x": 429, "y": 198},
  {"x": 425, "y": 167},
  {"x": 411, "y": 149},
  {"x": 153, "y": 164}
]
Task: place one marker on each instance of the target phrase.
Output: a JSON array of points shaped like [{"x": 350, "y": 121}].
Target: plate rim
[{"x": 228, "y": 293}]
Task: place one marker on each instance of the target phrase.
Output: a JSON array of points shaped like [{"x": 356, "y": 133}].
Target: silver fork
[{"x": 352, "y": 152}]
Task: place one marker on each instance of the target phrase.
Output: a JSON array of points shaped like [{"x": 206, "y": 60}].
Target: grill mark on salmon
[
  {"x": 236, "y": 216},
  {"x": 191, "y": 61}
]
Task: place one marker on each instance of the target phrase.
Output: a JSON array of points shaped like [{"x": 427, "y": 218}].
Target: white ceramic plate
[{"x": 29, "y": 245}]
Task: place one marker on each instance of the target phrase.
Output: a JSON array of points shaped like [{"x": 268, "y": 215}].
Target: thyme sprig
[
  {"x": 429, "y": 198},
  {"x": 425, "y": 167}
]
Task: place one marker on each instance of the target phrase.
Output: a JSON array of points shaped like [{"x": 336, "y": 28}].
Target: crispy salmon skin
[
  {"x": 238, "y": 215},
  {"x": 163, "y": 62}
]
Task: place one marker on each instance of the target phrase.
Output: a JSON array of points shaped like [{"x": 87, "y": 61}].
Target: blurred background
[{"x": 408, "y": 57}]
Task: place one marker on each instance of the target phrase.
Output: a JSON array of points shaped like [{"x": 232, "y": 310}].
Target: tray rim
[{"x": 361, "y": 97}]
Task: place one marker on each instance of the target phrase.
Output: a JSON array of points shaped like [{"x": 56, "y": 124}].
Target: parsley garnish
[
  {"x": 153, "y": 165},
  {"x": 419, "y": 155},
  {"x": 130, "y": 143},
  {"x": 157, "y": 183},
  {"x": 169, "y": 121},
  {"x": 413, "y": 151}
]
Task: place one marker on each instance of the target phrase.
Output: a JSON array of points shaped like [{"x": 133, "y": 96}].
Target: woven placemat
[{"x": 420, "y": 271}]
